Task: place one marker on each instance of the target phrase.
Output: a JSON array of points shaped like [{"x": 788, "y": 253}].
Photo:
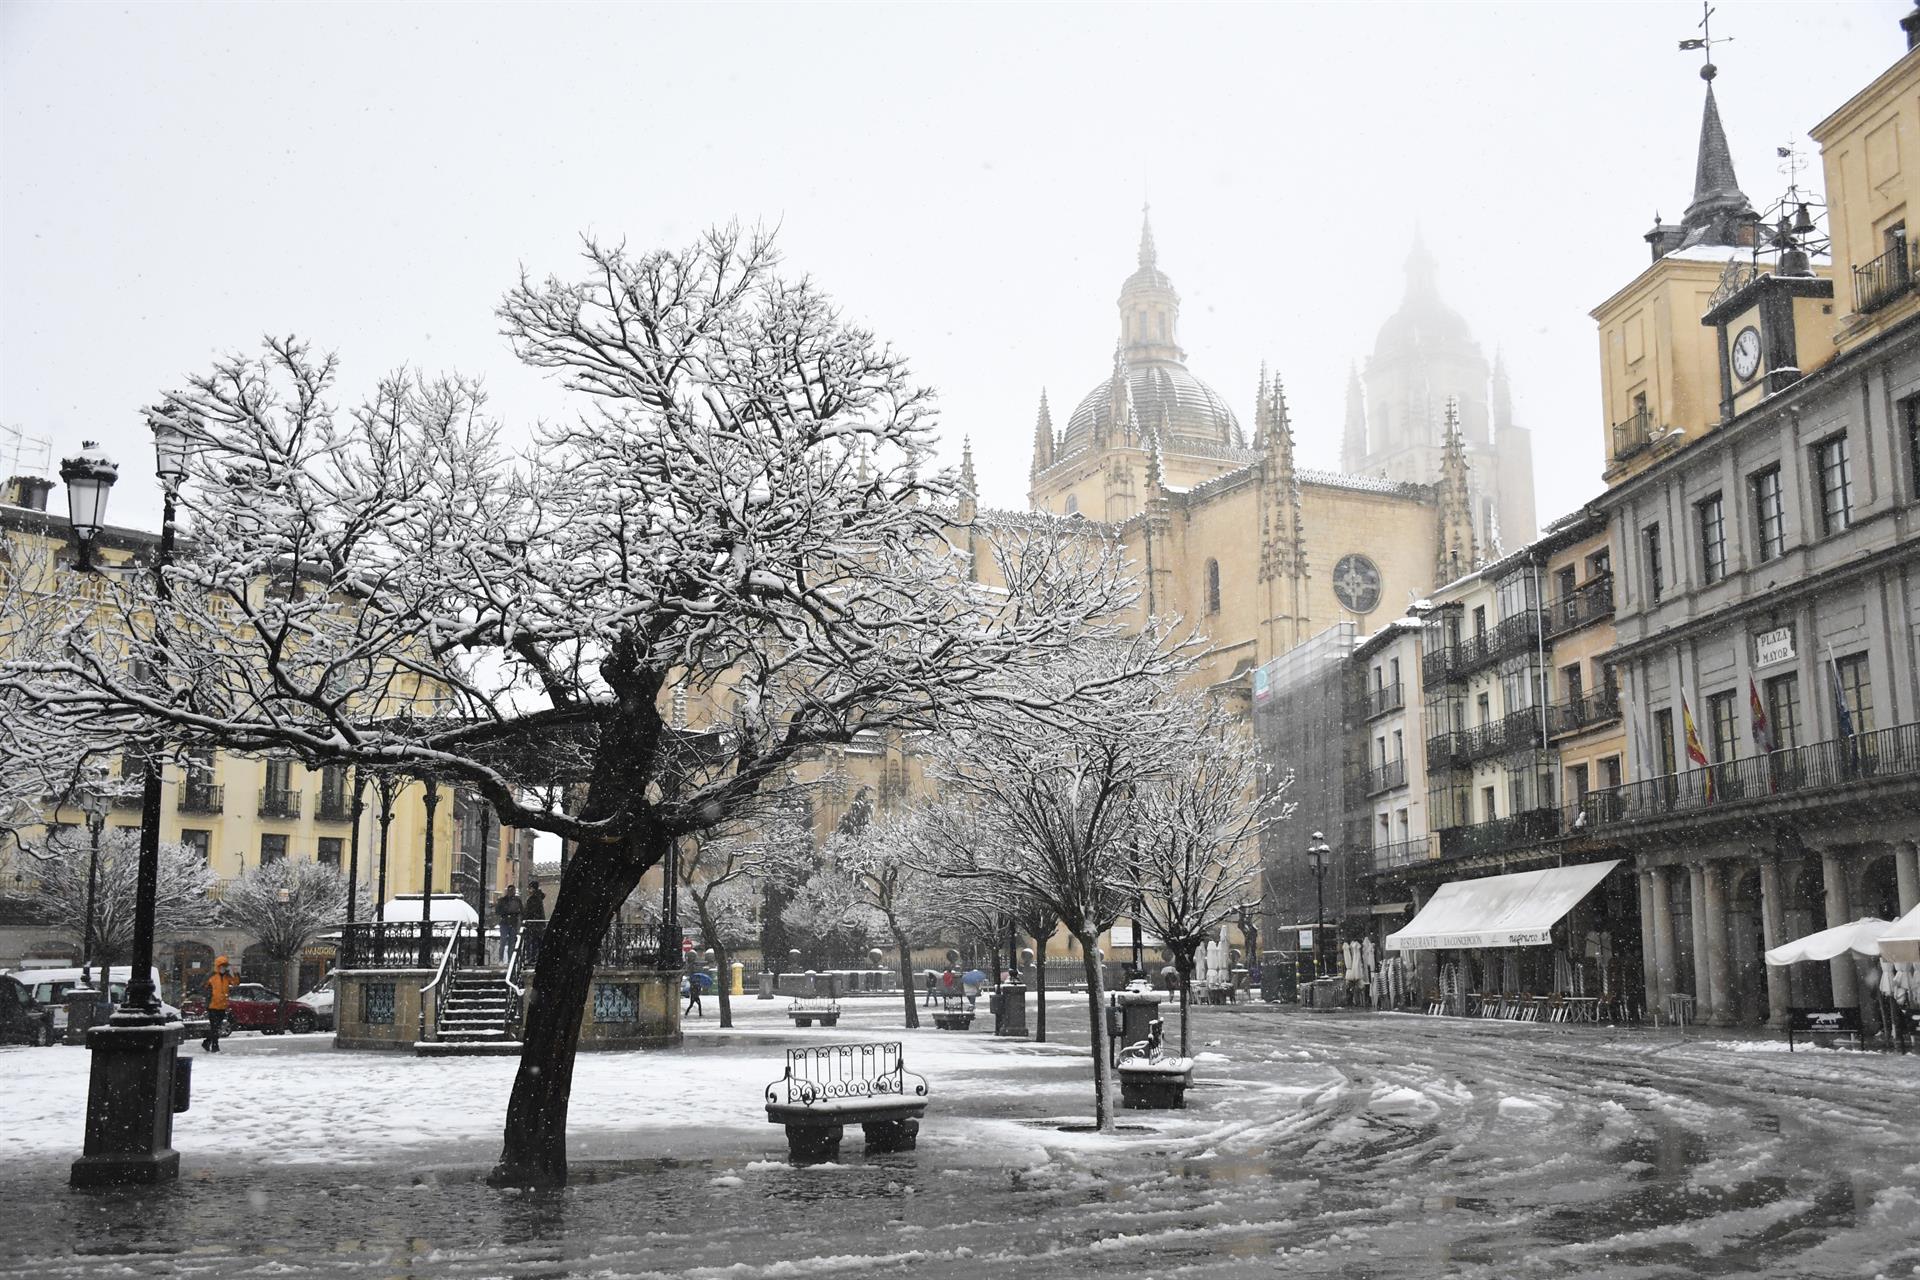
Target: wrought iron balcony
[
  {"x": 1438, "y": 666},
  {"x": 1501, "y": 834},
  {"x": 1386, "y": 777},
  {"x": 334, "y": 806},
  {"x": 1446, "y": 750},
  {"x": 201, "y": 797},
  {"x": 1404, "y": 853},
  {"x": 1633, "y": 435},
  {"x": 1516, "y": 731},
  {"x": 1830, "y": 767},
  {"x": 1391, "y": 697},
  {"x": 277, "y": 802},
  {"x": 1579, "y": 713},
  {"x": 1587, "y": 603},
  {"x": 1880, "y": 281}
]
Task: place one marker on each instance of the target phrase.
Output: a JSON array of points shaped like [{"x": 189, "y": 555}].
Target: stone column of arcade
[
  {"x": 1833, "y": 871},
  {"x": 1667, "y": 980},
  {"x": 1906, "y": 873},
  {"x": 1719, "y": 967},
  {"x": 1697, "y": 917},
  {"x": 1773, "y": 927},
  {"x": 1649, "y": 954}
]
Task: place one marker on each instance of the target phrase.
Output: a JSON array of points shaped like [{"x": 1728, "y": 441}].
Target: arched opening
[
  {"x": 1810, "y": 982},
  {"x": 1746, "y": 945}
]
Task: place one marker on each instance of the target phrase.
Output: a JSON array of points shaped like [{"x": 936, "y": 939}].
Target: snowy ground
[{"x": 1334, "y": 1145}]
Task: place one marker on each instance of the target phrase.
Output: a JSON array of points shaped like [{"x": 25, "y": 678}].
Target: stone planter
[{"x": 1155, "y": 1085}]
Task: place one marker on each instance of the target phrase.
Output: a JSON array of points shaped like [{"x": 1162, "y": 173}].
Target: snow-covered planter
[{"x": 1155, "y": 1084}]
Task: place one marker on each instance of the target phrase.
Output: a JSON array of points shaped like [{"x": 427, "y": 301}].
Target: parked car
[
  {"x": 49, "y": 988},
  {"x": 23, "y": 1020},
  {"x": 320, "y": 1000},
  {"x": 252, "y": 1006}
]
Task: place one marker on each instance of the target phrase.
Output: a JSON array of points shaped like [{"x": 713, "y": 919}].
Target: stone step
[
  {"x": 473, "y": 1033},
  {"x": 476, "y": 1002},
  {"x": 466, "y": 1049}
]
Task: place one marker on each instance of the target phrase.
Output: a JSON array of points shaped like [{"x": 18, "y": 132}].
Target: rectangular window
[
  {"x": 1479, "y": 621},
  {"x": 1567, "y": 582},
  {"x": 1577, "y": 783},
  {"x": 1386, "y": 829},
  {"x": 1406, "y": 827},
  {"x": 273, "y": 848},
  {"x": 1663, "y": 738},
  {"x": 1656, "y": 564},
  {"x": 1485, "y": 706},
  {"x": 1394, "y": 666},
  {"x": 201, "y": 842},
  {"x": 329, "y": 852},
  {"x": 1856, "y": 685},
  {"x": 1835, "y": 472},
  {"x": 1570, "y": 681},
  {"x": 1713, "y": 539},
  {"x": 1769, "y": 515},
  {"x": 279, "y": 775},
  {"x": 1783, "y": 710},
  {"x": 376, "y": 1004},
  {"x": 1910, "y": 412},
  {"x": 1610, "y": 771},
  {"x": 1399, "y": 745},
  {"x": 1599, "y": 564},
  {"x": 1487, "y": 806},
  {"x": 1380, "y": 744},
  {"x": 1723, "y": 722}
]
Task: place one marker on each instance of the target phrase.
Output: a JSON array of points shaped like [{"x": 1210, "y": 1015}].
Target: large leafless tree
[
  {"x": 59, "y": 877},
  {"x": 740, "y": 504}
]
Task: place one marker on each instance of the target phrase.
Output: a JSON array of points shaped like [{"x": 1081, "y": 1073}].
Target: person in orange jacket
[{"x": 219, "y": 988}]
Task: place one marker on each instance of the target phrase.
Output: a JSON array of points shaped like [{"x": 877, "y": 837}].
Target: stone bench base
[
  {"x": 808, "y": 1019},
  {"x": 1154, "y": 1088},
  {"x": 813, "y": 1136},
  {"x": 953, "y": 1021}
]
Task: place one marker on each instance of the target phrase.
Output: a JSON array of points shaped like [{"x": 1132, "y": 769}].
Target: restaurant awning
[
  {"x": 1517, "y": 910},
  {"x": 405, "y": 908},
  {"x": 1901, "y": 943},
  {"x": 1862, "y": 937}
]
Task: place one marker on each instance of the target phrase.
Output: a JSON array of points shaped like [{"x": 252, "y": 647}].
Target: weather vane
[{"x": 1704, "y": 42}]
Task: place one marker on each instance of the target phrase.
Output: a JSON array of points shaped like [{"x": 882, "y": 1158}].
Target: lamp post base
[{"x": 130, "y": 1103}]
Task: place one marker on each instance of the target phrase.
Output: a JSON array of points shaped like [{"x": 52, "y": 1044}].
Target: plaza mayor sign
[{"x": 1771, "y": 648}]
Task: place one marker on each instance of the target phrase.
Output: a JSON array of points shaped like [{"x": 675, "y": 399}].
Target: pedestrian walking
[
  {"x": 535, "y": 919},
  {"x": 219, "y": 990},
  {"x": 508, "y": 911},
  {"x": 933, "y": 980},
  {"x": 690, "y": 987}
]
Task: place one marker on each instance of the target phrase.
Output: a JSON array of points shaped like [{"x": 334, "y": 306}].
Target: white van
[{"x": 50, "y": 986}]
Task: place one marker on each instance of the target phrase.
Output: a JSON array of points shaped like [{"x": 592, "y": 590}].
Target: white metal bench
[
  {"x": 828, "y": 1087},
  {"x": 807, "y": 1012}
]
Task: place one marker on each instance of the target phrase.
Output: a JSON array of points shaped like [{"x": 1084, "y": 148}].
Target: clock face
[
  {"x": 1746, "y": 353},
  {"x": 1356, "y": 580}
]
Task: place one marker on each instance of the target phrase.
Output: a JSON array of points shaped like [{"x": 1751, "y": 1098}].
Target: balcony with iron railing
[
  {"x": 1833, "y": 769},
  {"x": 201, "y": 797},
  {"x": 1500, "y": 835},
  {"x": 1386, "y": 777},
  {"x": 1576, "y": 714},
  {"x": 1391, "y": 697},
  {"x": 1516, "y": 731},
  {"x": 1439, "y": 666},
  {"x": 1447, "y": 750},
  {"x": 1403, "y": 853},
  {"x": 334, "y": 806},
  {"x": 1587, "y": 603},
  {"x": 1633, "y": 435},
  {"x": 279, "y": 802},
  {"x": 1885, "y": 278}
]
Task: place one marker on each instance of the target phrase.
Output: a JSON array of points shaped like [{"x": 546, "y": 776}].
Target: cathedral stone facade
[{"x": 1228, "y": 531}]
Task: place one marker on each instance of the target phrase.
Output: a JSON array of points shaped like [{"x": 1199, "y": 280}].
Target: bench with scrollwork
[
  {"x": 806, "y": 1012},
  {"x": 954, "y": 1014},
  {"x": 831, "y": 1086}
]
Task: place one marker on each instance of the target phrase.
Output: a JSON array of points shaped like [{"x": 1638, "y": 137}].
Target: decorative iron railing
[
  {"x": 1633, "y": 435},
  {"x": 1880, "y": 281},
  {"x": 279, "y": 802},
  {"x": 1579, "y": 713},
  {"x": 1439, "y": 666},
  {"x": 1501, "y": 834},
  {"x": 1386, "y": 777},
  {"x": 1833, "y": 765},
  {"x": 1589, "y": 602},
  {"x": 201, "y": 797},
  {"x": 396, "y": 944},
  {"x": 441, "y": 987},
  {"x": 831, "y": 1072},
  {"x": 1403, "y": 853},
  {"x": 334, "y": 806},
  {"x": 1446, "y": 750},
  {"x": 1516, "y": 731},
  {"x": 1391, "y": 697}
]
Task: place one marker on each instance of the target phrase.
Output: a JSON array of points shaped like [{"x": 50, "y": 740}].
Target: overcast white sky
[{"x": 176, "y": 180}]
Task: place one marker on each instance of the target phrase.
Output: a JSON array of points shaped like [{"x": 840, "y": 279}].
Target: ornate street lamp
[
  {"x": 1317, "y": 854},
  {"x": 89, "y": 477},
  {"x": 131, "y": 1083}
]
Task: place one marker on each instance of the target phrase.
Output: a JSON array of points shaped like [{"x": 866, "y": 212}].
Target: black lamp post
[
  {"x": 93, "y": 803},
  {"x": 432, "y": 801},
  {"x": 1317, "y": 854},
  {"x": 130, "y": 1085}
]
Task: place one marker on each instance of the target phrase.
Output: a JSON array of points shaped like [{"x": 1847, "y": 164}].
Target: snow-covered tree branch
[{"x": 180, "y": 904}]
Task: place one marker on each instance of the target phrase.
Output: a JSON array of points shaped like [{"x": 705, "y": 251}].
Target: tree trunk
[
  {"x": 906, "y": 975},
  {"x": 710, "y": 930},
  {"x": 1183, "y": 961},
  {"x": 1097, "y": 1013},
  {"x": 1040, "y": 990},
  {"x": 596, "y": 881}
]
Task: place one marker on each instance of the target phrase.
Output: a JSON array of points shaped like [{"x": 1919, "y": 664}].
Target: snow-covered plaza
[{"x": 1330, "y": 1144}]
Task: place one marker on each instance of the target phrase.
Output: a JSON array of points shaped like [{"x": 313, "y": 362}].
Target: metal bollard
[{"x": 182, "y": 1084}]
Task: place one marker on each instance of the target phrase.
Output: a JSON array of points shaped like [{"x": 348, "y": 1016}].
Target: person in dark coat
[
  {"x": 535, "y": 919},
  {"x": 508, "y": 911}
]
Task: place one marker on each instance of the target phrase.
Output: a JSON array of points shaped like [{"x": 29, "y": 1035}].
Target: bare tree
[
  {"x": 1195, "y": 859},
  {"x": 60, "y": 870},
  {"x": 1055, "y": 801},
  {"x": 285, "y": 906},
  {"x": 724, "y": 873},
  {"x": 744, "y": 503}
]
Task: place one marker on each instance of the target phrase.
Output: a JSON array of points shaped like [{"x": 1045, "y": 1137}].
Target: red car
[{"x": 253, "y": 1007}]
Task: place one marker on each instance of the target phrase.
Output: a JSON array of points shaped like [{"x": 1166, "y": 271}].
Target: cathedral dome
[
  {"x": 1194, "y": 414},
  {"x": 1424, "y": 322}
]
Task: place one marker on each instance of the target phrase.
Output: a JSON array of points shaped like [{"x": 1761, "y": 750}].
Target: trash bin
[{"x": 1010, "y": 1010}]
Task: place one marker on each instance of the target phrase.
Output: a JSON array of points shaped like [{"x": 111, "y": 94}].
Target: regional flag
[
  {"x": 1762, "y": 727},
  {"x": 1695, "y": 752}
]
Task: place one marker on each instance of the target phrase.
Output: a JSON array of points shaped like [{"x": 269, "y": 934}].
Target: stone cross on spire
[
  {"x": 1042, "y": 436},
  {"x": 1459, "y": 549},
  {"x": 1147, "y": 256}
]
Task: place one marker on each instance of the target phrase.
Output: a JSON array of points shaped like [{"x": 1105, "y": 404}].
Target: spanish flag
[{"x": 1695, "y": 752}]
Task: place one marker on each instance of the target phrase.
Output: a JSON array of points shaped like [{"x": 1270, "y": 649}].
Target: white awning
[
  {"x": 1517, "y": 910},
  {"x": 446, "y": 909},
  {"x": 1901, "y": 943}
]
